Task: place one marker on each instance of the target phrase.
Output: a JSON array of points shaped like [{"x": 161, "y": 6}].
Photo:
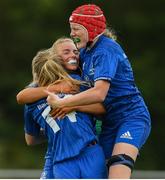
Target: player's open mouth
[{"x": 72, "y": 62}]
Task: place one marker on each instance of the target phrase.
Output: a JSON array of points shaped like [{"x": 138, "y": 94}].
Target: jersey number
[{"x": 52, "y": 123}]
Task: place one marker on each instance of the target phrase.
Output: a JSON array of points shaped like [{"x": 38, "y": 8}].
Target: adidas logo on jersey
[{"x": 126, "y": 135}]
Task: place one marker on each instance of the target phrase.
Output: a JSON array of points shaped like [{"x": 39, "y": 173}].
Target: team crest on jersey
[
  {"x": 88, "y": 82},
  {"x": 91, "y": 70}
]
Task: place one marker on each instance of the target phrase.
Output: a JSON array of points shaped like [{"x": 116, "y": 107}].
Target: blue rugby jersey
[
  {"x": 32, "y": 128},
  {"x": 107, "y": 61},
  {"x": 69, "y": 136}
]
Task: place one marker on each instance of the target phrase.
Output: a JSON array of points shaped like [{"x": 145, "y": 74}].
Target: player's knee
[{"x": 121, "y": 159}]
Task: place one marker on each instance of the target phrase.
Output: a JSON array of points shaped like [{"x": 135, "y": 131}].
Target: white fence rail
[{"x": 35, "y": 174}]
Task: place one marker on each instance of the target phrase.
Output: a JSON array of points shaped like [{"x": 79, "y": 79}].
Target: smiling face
[
  {"x": 69, "y": 54},
  {"x": 79, "y": 33}
]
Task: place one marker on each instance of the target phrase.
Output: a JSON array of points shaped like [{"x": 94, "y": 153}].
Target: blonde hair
[
  {"x": 59, "y": 42},
  {"x": 109, "y": 32},
  {"x": 47, "y": 69}
]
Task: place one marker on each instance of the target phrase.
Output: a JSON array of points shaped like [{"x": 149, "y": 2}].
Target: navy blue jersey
[{"x": 107, "y": 61}]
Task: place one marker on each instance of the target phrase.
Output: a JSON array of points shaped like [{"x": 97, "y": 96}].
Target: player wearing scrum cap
[{"x": 126, "y": 125}]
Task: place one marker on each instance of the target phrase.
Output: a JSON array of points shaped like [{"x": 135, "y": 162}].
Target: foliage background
[{"x": 27, "y": 26}]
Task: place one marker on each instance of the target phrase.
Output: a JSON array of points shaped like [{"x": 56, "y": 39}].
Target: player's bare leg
[{"x": 120, "y": 171}]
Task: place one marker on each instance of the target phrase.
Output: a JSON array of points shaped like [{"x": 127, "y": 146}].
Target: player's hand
[
  {"x": 60, "y": 113},
  {"x": 52, "y": 99}
]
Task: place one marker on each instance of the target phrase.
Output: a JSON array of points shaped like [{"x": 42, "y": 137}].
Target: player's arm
[
  {"x": 32, "y": 94},
  {"x": 34, "y": 140},
  {"x": 93, "y": 95},
  {"x": 94, "y": 109},
  {"x": 33, "y": 132}
]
